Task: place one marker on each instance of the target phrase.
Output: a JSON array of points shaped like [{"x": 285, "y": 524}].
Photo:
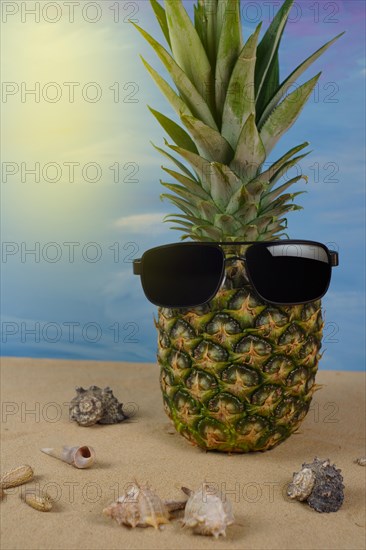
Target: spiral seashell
[
  {"x": 96, "y": 405},
  {"x": 79, "y": 457},
  {"x": 206, "y": 513},
  {"x": 320, "y": 484},
  {"x": 139, "y": 506},
  {"x": 302, "y": 484}
]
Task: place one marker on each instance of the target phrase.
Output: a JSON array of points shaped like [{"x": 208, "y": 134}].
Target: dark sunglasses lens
[
  {"x": 289, "y": 273},
  {"x": 182, "y": 275}
]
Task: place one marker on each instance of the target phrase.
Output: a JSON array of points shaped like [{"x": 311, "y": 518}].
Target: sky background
[{"x": 92, "y": 205}]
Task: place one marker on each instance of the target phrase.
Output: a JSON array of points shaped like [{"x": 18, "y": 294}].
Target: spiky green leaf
[
  {"x": 284, "y": 169},
  {"x": 281, "y": 206},
  {"x": 210, "y": 11},
  {"x": 284, "y": 116},
  {"x": 208, "y": 210},
  {"x": 230, "y": 43},
  {"x": 240, "y": 97},
  {"x": 268, "y": 46},
  {"x": 220, "y": 16},
  {"x": 191, "y": 97},
  {"x": 182, "y": 204},
  {"x": 272, "y": 170},
  {"x": 238, "y": 199},
  {"x": 210, "y": 143},
  {"x": 250, "y": 153},
  {"x": 192, "y": 219},
  {"x": 176, "y": 132},
  {"x": 181, "y": 191},
  {"x": 193, "y": 186},
  {"x": 200, "y": 23},
  {"x": 221, "y": 184},
  {"x": 177, "y": 102},
  {"x": 180, "y": 165},
  {"x": 184, "y": 41},
  {"x": 262, "y": 222},
  {"x": 292, "y": 79},
  {"x": 228, "y": 224},
  {"x": 161, "y": 17},
  {"x": 200, "y": 165},
  {"x": 270, "y": 87},
  {"x": 256, "y": 188},
  {"x": 247, "y": 213},
  {"x": 269, "y": 198}
]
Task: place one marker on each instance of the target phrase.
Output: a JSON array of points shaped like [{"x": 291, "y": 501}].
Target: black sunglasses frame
[{"x": 333, "y": 258}]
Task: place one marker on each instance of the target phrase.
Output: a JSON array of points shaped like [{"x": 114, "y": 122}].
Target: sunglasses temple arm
[
  {"x": 334, "y": 258},
  {"x": 137, "y": 267}
]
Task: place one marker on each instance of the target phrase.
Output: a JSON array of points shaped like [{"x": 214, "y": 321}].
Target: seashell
[
  {"x": 40, "y": 502},
  {"x": 139, "y": 506},
  {"x": 80, "y": 457},
  {"x": 320, "y": 484},
  {"x": 302, "y": 484},
  {"x": 95, "y": 405},
  {"x": 206, "y": 513},
  {"x": 17, "y": 476},
  {"x": 87, "y": 407},
  {"x": 361, "y": 461},
  {"x": 113, "y": 409}
]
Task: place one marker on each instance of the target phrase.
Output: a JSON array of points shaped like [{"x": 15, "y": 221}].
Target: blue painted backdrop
[{"x": 80, "y": 180}]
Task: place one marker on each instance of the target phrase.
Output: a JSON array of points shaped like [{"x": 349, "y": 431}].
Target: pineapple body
[{"x": 237, "y": 374}]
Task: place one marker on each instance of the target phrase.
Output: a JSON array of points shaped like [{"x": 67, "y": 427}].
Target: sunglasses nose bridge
[{"x": 235, "y": 257}]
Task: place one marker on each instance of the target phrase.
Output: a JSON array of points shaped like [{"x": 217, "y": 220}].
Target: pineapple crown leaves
[{"x": 233, "y": 110}]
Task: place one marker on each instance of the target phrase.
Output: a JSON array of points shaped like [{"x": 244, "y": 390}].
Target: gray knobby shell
[
  {"x": 320, "y": 484},
  {"x": 95, "y": 405},
  {"x": 112, "y": 408}
]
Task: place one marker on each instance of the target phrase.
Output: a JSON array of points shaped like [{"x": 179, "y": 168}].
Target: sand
[{"x": 35, "y": 394}]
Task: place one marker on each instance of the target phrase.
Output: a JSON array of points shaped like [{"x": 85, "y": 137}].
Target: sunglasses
[{"x": 281, "y": 272}]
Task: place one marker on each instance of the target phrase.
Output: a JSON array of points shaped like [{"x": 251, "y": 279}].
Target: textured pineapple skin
[{"x": 238, "y": 374}]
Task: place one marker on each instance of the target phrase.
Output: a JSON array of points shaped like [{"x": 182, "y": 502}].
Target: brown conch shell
[
  {"x": 139, "y": 506},
  {"x": 206, "y": 513},
  {"x": 96, "y": 405},
  {"x": 79, "y": 457}
]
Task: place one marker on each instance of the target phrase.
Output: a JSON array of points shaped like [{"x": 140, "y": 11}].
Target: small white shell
[
  {"x": 302, "y": 484},
  {"x": 138, "y": 507},
  {"x": 361, "y": 461},
  {"x": 206, "y": 513},
  {"x": 79, "y": 457}
]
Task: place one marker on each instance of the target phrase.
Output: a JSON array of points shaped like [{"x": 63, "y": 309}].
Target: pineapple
[{"x": 237, "y": 374}]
